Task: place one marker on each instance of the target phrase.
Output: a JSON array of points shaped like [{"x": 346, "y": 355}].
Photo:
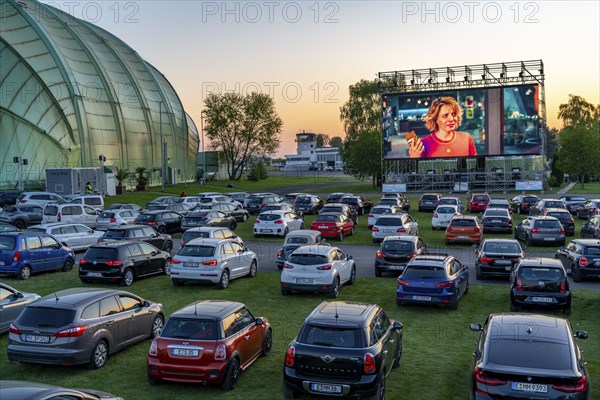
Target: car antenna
[
  {"x": 55, "y": 296},
  {"x": 336, "y": 312},
  {"x": 196, "y": 309}
]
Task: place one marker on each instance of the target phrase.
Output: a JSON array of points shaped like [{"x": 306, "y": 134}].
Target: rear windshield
[
  {"x": 429, "y": 197},
  {"x": 592, "y": 251},
  {"x": 529, "y": 354},
  {"x": 334, "y": 197},
  {"x": 463, "y": 222},
  {"x": 501, "y": 248},
  {"x": 350, "y": 201},
  {"x": 388, "y": 201},
  {"x": 481, "y": 197},
  {"x": 196, "y": 251},
  {"x": 308, "y": 259},
  {"x": 445, "y": 210},
  {"x": 255, "y": 200},
  {"x": 271, "y": 207},
  {"x": 331, "y": 336},
  {"x": 269, "y": 217},
  {"x": 198, "y": 214},
  {"x": 302, "y": 200},
  {"x": 297, "y": 240},
  {"x": 379, "y": 210},
  {"x": 189, "y": 235},
  {"x": 327, "y": 218},
  {"x": 192, "y": 329},
  {"x": 423, "y": 272},
  {"x": 7, "y": 243},
  {"x": 397, "y": 246},
  {"x": 448, "y": 201},
  {"x": 107, "y": 215},
  {"x": 115, "y": 233},
  {"x": 384, "y": 221},
  {"x": 541, "y": 273},
  {"x": 50, "y": 210},
  {"x": 101, "y": 253},
  {"x": 46, "y": 317},
  {"x": 547, "y": 224},
  {"x": 496, "y": 213},
  {"x": 558, "y": 204},
  {"x": 530, "y": 199},
  {"x": 37, "y": 230},
  {"x": 334, "y": 209},
  {"x": 145, "y": 217}
]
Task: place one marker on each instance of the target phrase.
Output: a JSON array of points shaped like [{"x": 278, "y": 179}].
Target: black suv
[
  {"x": 161, "y": 221},
  {"x": 141, "y": 233},
  {"x": 256, "y": 202},
  {"x": 496, "y": 257},
  {"x": 9, "y": 197},
  {"x": 581, "y": 257},
  {"x": 343, "y": 349},
  {"x": 429, "y": 201},
  {"x": 309, "y": 204},
  {"x": 396, "y": 251}
]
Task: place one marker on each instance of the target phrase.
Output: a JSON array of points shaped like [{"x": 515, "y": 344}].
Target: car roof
[
  {"x": 155, "y": 212},
  {"x": 560, "y": 210},
  {"x": 540, "y": 262},
  {"x": 73, "y": 297},
  {"x": 18, "y": 390},
  {"x": 500, "y": 240},
  {"x": 208, "y": 241},
  {"x": 275, "y": 212},
  {"x": 208, "y": 309},
  {"x": 587, "y": 242},
  {"x": 206, "y": 229},
  {"x": 543, "y": 218},
  {"x": 401, "y": 238},
  {"x": 531, "y": 327},
  {"x": 55, "y": 224},
  {"x": 342, "y": 313},
  {"x": 303, "y": 232},
  {"x": 125, "y": 227},
  {"x": 471, "y": 217},
  {"x": 430, "y": 258}
]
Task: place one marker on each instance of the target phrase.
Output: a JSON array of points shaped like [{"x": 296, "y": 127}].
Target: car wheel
[
  {"x": 380, "y": 395},
  {"x": 377, "y": 272},
  {"x": 162, "y": 230},
  {"x": 567, "y": 310},
  {"x": 232, "y": 375},
  {"x": 128, "y": 277},
  {"x": 244, "y": 217},
  {"x": 267, "y": 343},
  {"x": 157, "y": 326},
  {"x": 284, "y": 291},
  {"x": 25, "y": 272},
  {"x": 289, "y": 393},
  {"x": 233, "y": 225},
  {"x": 168, "y": 246},
  {"x": 335, "y": 289},
  {"x": 576, "y": 274},
  {"x": 167, "y": 267},
  {"x": 466, "y": 289},
  {"x": 67, "y": 266},
  {"x": 20, "y": 224},
  {"x": 224, "y": 281},
  {"x": 285, "y": 231},
  {"x": 527, "y": 241},
  {"x": 153, "y": 381},
  {"x": 454, "y": 304},
  {"x": 478, "y": 274},
  {"x": 513, "y": 307},
  {"x": 302, "y": 225},
  {"x": 99, "y": 355},
  {"x": 398, "y": 357},
  {"x": 177, "y": 282},
  {"x": 352, "y": 280},
  {"x": 253, "y": 269}
]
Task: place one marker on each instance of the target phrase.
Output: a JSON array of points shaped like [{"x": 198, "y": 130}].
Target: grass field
[{"x": 437, "y": 342}]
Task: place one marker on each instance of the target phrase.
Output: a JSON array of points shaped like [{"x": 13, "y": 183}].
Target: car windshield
[
  {"x": 592, "y": 251},
  {"x": 101, "y": 253},
  {"x": 429, "y": 197},
  {"x": 558, "y": 204},
  {"x": 480, "y": 198},
  {"x": 331, "y": 336},
  {"x": 448, "y": 201},
  {"x": 502, "y": 248},
  {"x": 7, "y": 243},
  {"x": 145, "y": 217},
  {"x": 349, "y": 201},
  {"x": 37, "y": 230},
  {"x": 423, "y": 272},
  {"x": 197, "y": 251},
  {"x": 445, "y": 210},
  {"x": 106, "y": 215},
  {"x": 189, "y": 235},
  {"x": 326, "y": 218},
  {"x": 496, "y": 213},
  {"x": 547, "y": 224},
  {"x": 334, "y": 209},
  {"x": 463, "y": 222},
  {"x": 530, "y": 199},
  {"x": 398, "y": 246},
  {"x": 561, "y": 216},
  {"x": 254, "y": 200},
  {"x": 271, "y": 207},
  {"x": 302, "y": 200},
  {"x": 191, "y": 329},
  {"x": 308, "y": 259},
  {"x": 384, "y": 221},
  {"x": 269, "y": 217},
  {"x": 46, "y": 317},
  {"x": 388, "y": 201},
  {"x": 198, "y": 214},
  {"x": 115, "y": 233},
  {"x": 296, "y": 240},
  {"x": 526, "y": 354},
  {"x": 541, "y": 274},
  {"x": 379, "y": 210}
]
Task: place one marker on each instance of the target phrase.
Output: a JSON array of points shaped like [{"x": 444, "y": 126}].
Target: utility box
[{"x": 66, "y": 181}]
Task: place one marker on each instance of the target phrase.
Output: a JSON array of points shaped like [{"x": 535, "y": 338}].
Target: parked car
[
  {"x": 289, "y": 207},
  {"x": 379, "y": 210},
  {"x": 92, "y": 200},
  {"x": 356, "y": 203},
  {"x": 478, "y": 202},
  {"x": 12, "y": 302},
  {"x": 340, "y": 208},
  {"x": 291, "y": 197},
  {"x": 160, "y": 201},
  {"x": 190, "y": 201},
  {"x": 336, "y": 197},
  {"x": 180, "y": 208},
  {"x": 528, "y": 356},
  {"x": 141, "y": 233},
  {"x": 390, "y": 201},
  {"x": 433, "y": 279},
  {"x": 6, "y": 227},
  {"x": 214, "y": 261},
  {"x": 523, "y": 202},
  {"x": 236, "y": 212},
  {"x": 588, "y": 209},
  {"x": 161, "y": 221},
  {"x": 591, "y": 228},
  {"x": 565, "y": 218},
  {"x": 499, "y": 203},
  {"x": 72, "y": 213},
  {"x": 9, "y": 197},
  {"x": 76, "y": 236},
  {"x": 333, "y": 225},
  {"x": 122, "y": 206},
  {"x": 82, "y": 326},
  {"x": 396, "y": 251},
  {"x": 581, "y": 258},
  {"x": 309, "y": 204},
  {"x": 452, "y": 201},
  {"x": 25, "y": 253},
  {"x": 572, "y": 202},
  {"x": 538, "y": 208},
  {"x": 496, "y": 257},
  {"x": 255, "y": 202},
  {"x": 318, "y": 269},
  {"x": 394, "y": 224},
  {"x": 540, "y": 282},
  {"x": 429, "y": 201},
  {"x": 464, "y": 229},
  {"x": 353, "y": 357},
  {"x": 25, "y": 390},
  {"x": 443, "y": 214},
  {"x": 112, "y": 218},
  {"x": 123, "y": 262},
  {"x": 295, "y": 239},
  {"x": 209, "y": 232},
  {"x": 240, "y": 197},
  {"x": 40, "y": 198},
  {"x": 22, "y": 215},
  {"x": 540, "y": 230},
  {"x": 207, "y": 218},
  {"x": 220, "y": 198},
  {"x": 497, "y": 220},
  {"x": 202, "y": 343},
  {"x": 277, "y": 223}
]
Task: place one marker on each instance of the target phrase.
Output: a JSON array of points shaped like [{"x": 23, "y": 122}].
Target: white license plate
[
  {"x": 387, "y": 230},
  {"x": 191, "y": 264},
  {"x": 396, "y": 267},
  {"x": 184, "y": 352},
  {"x": 496, "y": 221},
  {"x": 541, "y": 299},
  {"x": 304, "y": 280},
  {"x": 37, "y": 339},
  {"x": 422, "y": 298},
  {"x": 324, "y": 388},
  {"x": 266, "y": 230},
  {"x": 94, "y": 274},
  {"x": 530, "y": 387},
  {"x": 462, "y": 237},
  {"x": 596, "y": 263},
  {"x": 322, "y": 227},
  {"x": 503, "y": 262},
  {"x": 548, "y": 238}
]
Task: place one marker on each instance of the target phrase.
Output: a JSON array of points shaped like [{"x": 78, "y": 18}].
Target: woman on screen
[{"x": 442, "y": 120}]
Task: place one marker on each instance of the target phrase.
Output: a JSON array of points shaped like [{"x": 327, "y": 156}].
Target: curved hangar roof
[{"x": 71, "y": 91}]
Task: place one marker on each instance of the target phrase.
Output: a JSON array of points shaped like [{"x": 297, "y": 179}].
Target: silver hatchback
[
  {"x": 399, "y": 224},
  {"x": 76, "y": 236},
  {"x": 111, "y": 218}
]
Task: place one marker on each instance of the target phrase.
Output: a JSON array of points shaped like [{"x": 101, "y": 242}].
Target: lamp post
[
  {"x": 21, "y": 162},
  {"x": 203, "y": 152},
  {"x": 162, "y": 149}
]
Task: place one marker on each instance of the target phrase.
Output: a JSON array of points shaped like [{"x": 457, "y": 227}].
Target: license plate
[
  {"x": 541, "y": 299},
  {"x": 596, "y": 263},
  {"x": 548, "y": 238},
  {"x": 422, "y": 298},
  {"x": 503, "y": 262},
  {"x": 2, "y": 263},
  {"x": 387, "y": 230},
  {"x": 266, "y": 230},
  {"x": 37, "y": 339},
  {"x": 462, "y": 237},
  {"x": 507, "y": 268},
  {"x": 94, "y": 274},
  {"x": 322, "y": 227},
  {"x": 396, "y": 267},
  {"x": 184, "y": 352},
  {"x": 323, "y": 388},
  {"x": 304, "y": 280},
  {"x": 191, "y": 264},
  {"x": 530, "y": 387}
]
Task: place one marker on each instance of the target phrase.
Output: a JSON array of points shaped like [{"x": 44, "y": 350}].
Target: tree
[
  {"x": 361, "y": 155},
  {"x": 337, "y": 141},
  {"x": 241, "y": 127},
  {"x": 322, "y": 140},
  {"x": 580, "y": 138}
]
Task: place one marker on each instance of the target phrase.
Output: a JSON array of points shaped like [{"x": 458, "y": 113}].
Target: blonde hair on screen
[{"x": 434, "y": 111}]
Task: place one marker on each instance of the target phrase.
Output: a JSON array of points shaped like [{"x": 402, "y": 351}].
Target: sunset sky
[{"x": 306, "y": 53}]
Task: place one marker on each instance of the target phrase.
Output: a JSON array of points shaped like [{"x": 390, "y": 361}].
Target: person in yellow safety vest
[{"x": 88, "y": 188}]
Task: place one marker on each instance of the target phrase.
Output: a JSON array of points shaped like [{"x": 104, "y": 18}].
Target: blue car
[
  {"x": 433, "y": 279},
  {"x": 25, "y": 253}
]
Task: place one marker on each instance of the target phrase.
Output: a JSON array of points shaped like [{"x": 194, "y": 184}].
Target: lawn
[{"x": 437, "y": 342}]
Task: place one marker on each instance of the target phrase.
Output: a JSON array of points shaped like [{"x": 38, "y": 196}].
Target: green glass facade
[{"x": 71, "y": 91}]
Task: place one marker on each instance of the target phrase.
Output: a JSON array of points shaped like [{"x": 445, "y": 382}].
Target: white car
[
  {"x": 452, "y": 201},
  {"x": 377, "y": 211},
  {"x": 72, "y": 213},
  {"x": 191, "y": 201},
  {"x": 111, "y": 218},
  {"x": 220, "y": 199},
  {"x": 92, "y": 200},
  {"x": 75, "y": 236},
  {"x": 209, "y": 232},
  {"x": 212, "y": 261},
  {"x": 317, "y": 268},
  {"x": 443, "y": 215},
  {"x": 277, "y": 223},
  {"x": 394, "y": 224},
  {"x": 39, "y": 198}
]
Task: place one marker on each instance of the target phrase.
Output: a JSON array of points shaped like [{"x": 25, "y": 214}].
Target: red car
[
  {"x": 333, "y": 225},
  {"x": 208, "y": 342},
  {"x": 478, "y": 202}
]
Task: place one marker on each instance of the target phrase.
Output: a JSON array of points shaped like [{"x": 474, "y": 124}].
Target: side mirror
[
  {"x": 475, "y": 327},
  {"x": 19, "y": 295},
  {"x": 146, "y": 303},
  {"x": 349, "y": 257},
  {"x": 398, "y": 325},
  {"x": 259, "y": 322},
  {"x": 562, "y": 248},
  {"x": 581, "y": 335}
]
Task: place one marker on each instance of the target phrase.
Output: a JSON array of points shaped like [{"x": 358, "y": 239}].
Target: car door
[
  {"x": 133, "y": 252},
  {"x": 67, "y": 234},
  {"x": 114, "y": 321},
  {"x": 340, "y": 263},
  {"x": 35, "y": 254},
  {"x": 89, "y": 216},
  {"x": 292, "y": 220},
  {"x": 10, "y": 307},
  {"x": 381, "y": 332},
  {"x": 149, "y": 235},
  {"x": 461, "y": 275},
  {"x": 251, "y": 343},
  {"x": 139, "y": 318},
  {"x": 412, "y": 225},
  {"x": 150, "y": 252},
  {"x": 234, "y": 262}
]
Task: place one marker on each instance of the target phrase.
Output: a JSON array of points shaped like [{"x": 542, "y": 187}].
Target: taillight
[
  {"x": 280, "y": 254},
  {"x": 58, "y": 217},
  {"x": 519, "y": 285},
  {"x": 449, "y": 229},
  {"x": 379, "y": 254},
  {"x": 72, "y": 332},
  {"x": 151, "y": 223},
  {"x": 563, "y": 286},
  {"x": 220, "y": 352},
  {"x": 288, "y": 266},
  {"x": 211, "y": 263},
  {"x": 278, "y": 222},
  {"x": 561, "y": 230},
  {"x": 13, "y": 329},
  {"x": 583, "y": 261},
  {"x": 443, "y": 284},
  {"x": 400, "y": 230},
  {"x": 369, "y": 366},
  {"x": 17, "y": 256},
  {"x": 578, "y": 386},
  {"x": 570, "y": 221},
  {"x": 257, "y": 221},
  {"x": 535, "y": 230},
  {"x": 175, "y": 261},
  {"x": 116, "y": 263},
  {"x": 153, "y": 349},
  {"x": 289, "y": 356},
  {"x": 486, "y": 260},
  {"x": 476, "y": 230},
  {"x": 83, "y": 261},
  {"x": 411, "y": 255},
  {"x": 371, "y": 216},
  {"x": 483, "y": 221},
  {"x": 325, "y": 267},
  {"x": 113, "y": 219},
  {"x": 435, "y": 215},
  {"x": 403, "y": 282},
  {"x": 481, "y": 377},
  {"x": 23, "y": 201},
  {"x": 375, "y": 229}
]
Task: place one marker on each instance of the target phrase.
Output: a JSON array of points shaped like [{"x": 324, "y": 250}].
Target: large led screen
[{"x": 462, "y": 123}]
